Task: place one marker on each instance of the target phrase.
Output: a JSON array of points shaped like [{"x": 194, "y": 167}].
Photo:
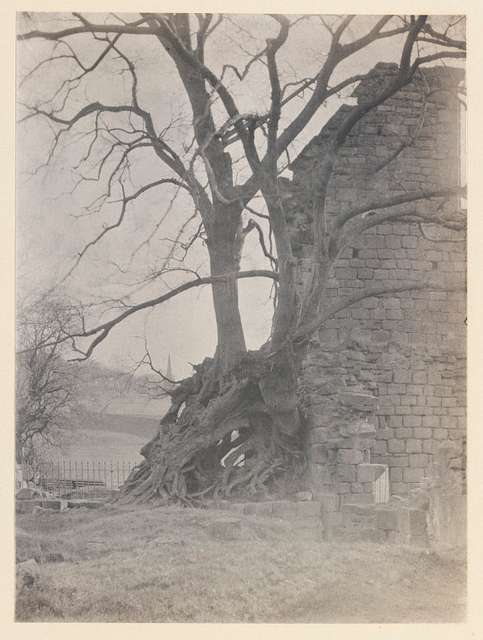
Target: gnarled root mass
[{"x": 222, "y": 435}]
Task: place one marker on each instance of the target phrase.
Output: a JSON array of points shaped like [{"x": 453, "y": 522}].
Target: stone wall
[
  {"x": 331, "y": 519},
  {"x": 405, "y": 350}
]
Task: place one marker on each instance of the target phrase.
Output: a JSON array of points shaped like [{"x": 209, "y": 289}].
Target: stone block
[
  {"x": 448, "y": 519},
  {"x": 303, "y": 496},
  {"x": 425, "y": 432},
  {"x": 319, "y": 434},
  {"x": 403, "y": 525},
  {"x": 349, "y": 456},
  {"x": 440, "y": 434},
  {"x": 345, "y": 473},
  {"x": 360, "y": 510},
  {"x": 419, "y": 377},
  {"x": 418, "y": 460},
  {"x": 380, "y": 447},
  {"x": 362, "y": 402},
  {"x": 284, "y": 509},
  {"x": 250, "y": 508},
  {"x": 329, "y": 502},
  {"x": 364, "y": 442},
  {"x": 387, "y": 519},
  {"x": 26, "y": 494},
  {"x": 418, "y": 528},
  {"x": 309, "y": 509},
  {"x": 402, "y": 376},
  {"x": 311, "y": 534},
  {"x": 368, "y": 472},
  {"x": 413, "y": 474},
  {"x": 238, "y": 507},
  {"x": 263, "y": 508},
  {"x": 385, "y": 434},
  {"x": 319, "y": 454},
  {"x": 358, "y": 498},
  {"x": 399, "y": 489},
  {"x": 320, "y": 474},
  {"x": 413, "y": 446},
  {"x": 358, "y": 428},
  {"x": 396, "y": 446},
  {"x": 428, "y": 446},
  {"x": 333, "y": 519},
  {"x": 396, "y": 474},
  {"x": 342, "y": 487},
  {"x": 369, "y": 534},
  {"x": 412, "y": 421},
  {"x": 222, "y": 505},
  {"x": 343, "y": 442},
  {"x": 399, "y": 461}
]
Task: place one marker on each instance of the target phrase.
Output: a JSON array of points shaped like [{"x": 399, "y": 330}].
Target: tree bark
[{"x": 223, "y": 260}]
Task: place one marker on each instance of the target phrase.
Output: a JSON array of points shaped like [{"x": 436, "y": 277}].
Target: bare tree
[
  {"x": 46, "y": 382},
  {"x": 237, "y": 399}
]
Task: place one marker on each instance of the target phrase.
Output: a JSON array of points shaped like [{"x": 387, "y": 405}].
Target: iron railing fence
[{"x": 66, "y": 478}]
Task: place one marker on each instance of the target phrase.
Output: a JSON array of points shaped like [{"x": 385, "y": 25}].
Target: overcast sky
[{"x": 51, "y": 223}]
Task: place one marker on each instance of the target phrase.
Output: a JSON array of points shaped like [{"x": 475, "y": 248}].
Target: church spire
[{"x": 169, "y": 370}]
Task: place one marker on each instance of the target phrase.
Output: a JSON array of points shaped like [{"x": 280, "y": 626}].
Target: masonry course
[{"x": 407, "y": 351}]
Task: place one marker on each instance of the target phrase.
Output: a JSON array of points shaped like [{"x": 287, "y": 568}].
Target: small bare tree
[
  {"x": 46, "y": 382},
  {"x": 237, "y": 398}
]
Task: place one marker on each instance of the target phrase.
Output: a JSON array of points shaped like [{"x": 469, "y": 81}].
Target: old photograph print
[{"x": 241, "y": 318}]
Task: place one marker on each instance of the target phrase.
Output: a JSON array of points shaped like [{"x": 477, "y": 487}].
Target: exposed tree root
[{"x": 221, "y": 435}]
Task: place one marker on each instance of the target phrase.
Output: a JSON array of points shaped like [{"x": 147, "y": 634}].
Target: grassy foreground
[{"x": 180, "y": 565}]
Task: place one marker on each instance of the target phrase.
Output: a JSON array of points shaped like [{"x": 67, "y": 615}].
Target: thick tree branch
[
  {"x": 394, "y": 201},
  {"x": 416, "y": 216},
  {"x": 88, "y": 27},
  {"x": 337, "y": 53},
  {"x": 167, "y": 35},
  {"x": 304, "y": 332},
  {"x": 443, "y": 39},
  {"x": 102, "y": 331},
  {"x": 273, "y": 46}
]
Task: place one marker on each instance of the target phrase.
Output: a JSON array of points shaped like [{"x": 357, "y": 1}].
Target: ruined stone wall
[{"x": 406, "y": 350}]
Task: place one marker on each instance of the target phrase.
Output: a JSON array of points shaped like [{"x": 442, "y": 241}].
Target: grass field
[{"x": 170, "y": 565}]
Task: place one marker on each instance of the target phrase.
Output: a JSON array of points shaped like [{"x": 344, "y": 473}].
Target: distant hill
[
  {"x": 141, "y": 426},
  {"x": 99, "y": 445},
  {"x": 102, "y": 437},
  {"x": 112, "y": 419}
]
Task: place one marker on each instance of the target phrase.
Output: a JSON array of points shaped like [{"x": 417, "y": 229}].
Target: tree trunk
[{"x": 225, "y": 259}]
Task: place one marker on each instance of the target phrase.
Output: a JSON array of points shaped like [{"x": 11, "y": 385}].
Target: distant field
[
  {"x": 104, "y": 437},
  {"x": 137, "y": 425},
  {"x": 88, "y": 444}
]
